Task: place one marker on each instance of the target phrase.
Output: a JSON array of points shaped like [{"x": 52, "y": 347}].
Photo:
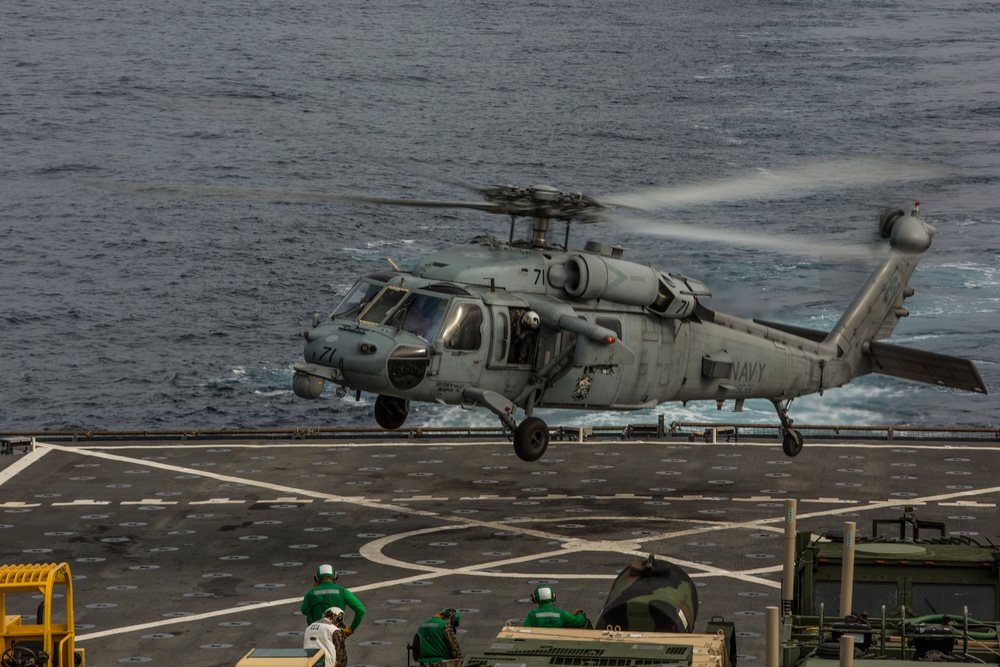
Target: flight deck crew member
[
  {"x": 325, "y": 594},
  {"x": 547, "y": 615},
  {"x": 438, "y": 641},
  {"x": 327, "y": 634}
]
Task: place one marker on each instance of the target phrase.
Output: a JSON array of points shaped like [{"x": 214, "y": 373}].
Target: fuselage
[
  {"x": 527, "y": 325},
  {"x": 613, "y": 334}
]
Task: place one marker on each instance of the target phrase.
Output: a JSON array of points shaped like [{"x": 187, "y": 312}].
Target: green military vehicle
[{"x": 918, "y": 595}]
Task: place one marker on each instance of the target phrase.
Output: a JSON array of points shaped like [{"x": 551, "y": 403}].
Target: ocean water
[{"x": 129, "y": 308}]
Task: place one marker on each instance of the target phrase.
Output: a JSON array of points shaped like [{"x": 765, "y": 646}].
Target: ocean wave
[{"x": 124, "y": 308}]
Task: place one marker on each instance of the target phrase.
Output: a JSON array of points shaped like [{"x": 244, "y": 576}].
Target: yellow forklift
[{"x": 44, "y": 643}]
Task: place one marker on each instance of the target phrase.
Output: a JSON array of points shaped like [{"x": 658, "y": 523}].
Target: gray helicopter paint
[
  {"x": 883, "y": 293},
  {"x": 604, "y": 326},
  {"x": 454, "y": 370},
  {"x": 776, "y": 369}
]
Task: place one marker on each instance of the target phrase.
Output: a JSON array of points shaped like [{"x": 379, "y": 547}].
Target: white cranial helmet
[
  {"x": 531, "y": 320},
  {"x": 335, "y": 614}
]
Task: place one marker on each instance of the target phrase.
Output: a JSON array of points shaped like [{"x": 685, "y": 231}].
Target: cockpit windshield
[
  {"x": 383, "y": 304},
  {"x": 419, "y": 314},
  {"x": 422, "y": 315},
  {"x": 355, "y": 301}
]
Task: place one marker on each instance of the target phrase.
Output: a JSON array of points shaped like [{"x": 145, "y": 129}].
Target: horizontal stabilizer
[
  {"x": 922, "y": 366},
  {"x": 905, "y": 362}
]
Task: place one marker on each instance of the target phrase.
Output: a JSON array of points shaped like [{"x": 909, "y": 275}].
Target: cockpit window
[
  {"x": 356, "y": 300},
  {"x": 421, "y": 314},
  {"x": 382, "y": 304},
  {"x": 464, "y": 328}
]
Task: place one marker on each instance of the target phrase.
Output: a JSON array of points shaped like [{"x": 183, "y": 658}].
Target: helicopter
[{"x": 531, "y": 323}]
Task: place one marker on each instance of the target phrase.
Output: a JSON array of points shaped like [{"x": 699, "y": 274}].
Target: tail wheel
[
  {"x": 391, "y": 412},
  {"x": 531, "y": 439},
  {"x": 791, "y": 443}
]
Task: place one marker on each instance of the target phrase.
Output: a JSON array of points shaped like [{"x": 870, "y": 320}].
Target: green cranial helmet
[
  {"x": 325, "y": 570},
  {"x": 543, "y": 594}
]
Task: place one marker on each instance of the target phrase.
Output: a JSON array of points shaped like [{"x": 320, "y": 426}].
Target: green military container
[{"x": 918, "y": 595}]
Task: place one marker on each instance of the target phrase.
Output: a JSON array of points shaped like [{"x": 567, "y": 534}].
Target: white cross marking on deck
[{"x": 373, "y": 550}]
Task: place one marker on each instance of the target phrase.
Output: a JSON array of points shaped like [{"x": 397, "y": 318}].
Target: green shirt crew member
[
  {"x": 325, "y": 594},
  {"x": 547, "y": 615},
  {"x": 438, "y": 640}
]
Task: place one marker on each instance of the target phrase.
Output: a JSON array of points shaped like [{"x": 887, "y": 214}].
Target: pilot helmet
[{"x": 531, "y": 320}]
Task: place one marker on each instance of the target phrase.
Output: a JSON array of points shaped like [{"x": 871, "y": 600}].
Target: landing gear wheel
[
  {"x": 18, "y": 656},
  {"x": 791, "y": 443},
  {"x": 531, "y": 439},
  {"x": 391, "y": 412},
  {"x": 791, "y": 440}
]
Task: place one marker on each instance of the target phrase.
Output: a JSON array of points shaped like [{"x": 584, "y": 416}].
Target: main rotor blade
[
  {"x": 792, "y": 245},
  {"x": 282, "y": 196},
  {"x": 796, "y": 181},
  {"x": 407, "y": 164}
]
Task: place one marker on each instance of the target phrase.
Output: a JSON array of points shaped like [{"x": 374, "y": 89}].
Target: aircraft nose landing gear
[{"x": 791, "y": 440}]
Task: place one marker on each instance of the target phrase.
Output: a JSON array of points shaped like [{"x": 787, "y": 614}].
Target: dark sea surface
[{"x": 131, "y": 309}]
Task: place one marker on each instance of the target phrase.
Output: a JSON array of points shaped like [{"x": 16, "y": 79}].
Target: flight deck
[{"x": 198, "y": 551}]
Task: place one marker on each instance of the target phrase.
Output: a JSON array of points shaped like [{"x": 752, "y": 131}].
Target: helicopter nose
[
  {"x": 367, "y": 359},
  {"x": 350, "y": 350}
]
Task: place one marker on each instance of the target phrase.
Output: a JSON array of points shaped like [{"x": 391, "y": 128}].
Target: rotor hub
[{"x": 541, "y": 201}]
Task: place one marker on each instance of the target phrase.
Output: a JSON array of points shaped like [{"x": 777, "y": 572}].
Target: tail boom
[{"x": 854, "y": 343}]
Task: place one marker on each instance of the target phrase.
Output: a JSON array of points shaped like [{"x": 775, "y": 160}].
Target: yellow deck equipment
[{"x": 42, "y": 642}]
